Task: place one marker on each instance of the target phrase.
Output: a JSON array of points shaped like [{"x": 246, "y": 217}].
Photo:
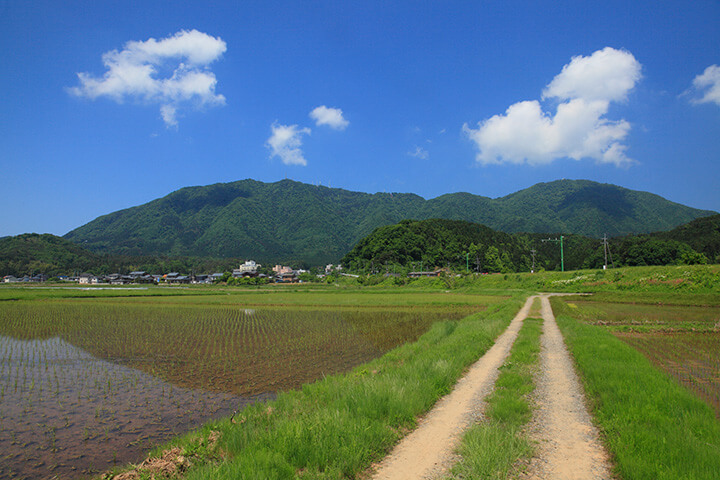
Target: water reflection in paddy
[
  {"x": 64, "y": 412},
  {"x": 86, "y": 384}
]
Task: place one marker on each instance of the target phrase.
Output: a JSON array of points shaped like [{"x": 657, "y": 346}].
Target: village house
[
  {"x": 332, "y": 268},
  {"x": 247, "y": 269},
  {"x": 280, "y": 269},
  {"x": 287, "y": 277},
  {"x": 87, "y": 279}
]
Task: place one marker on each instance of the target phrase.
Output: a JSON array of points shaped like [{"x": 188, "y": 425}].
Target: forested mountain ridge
[
  {"x": 460, "y": 245},
  {"x": 289, "y": 220},
  {"x": 42, "y": 253},
  {"x": 702, "y": 234}
]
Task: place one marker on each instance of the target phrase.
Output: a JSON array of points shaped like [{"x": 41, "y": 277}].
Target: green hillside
[
  {"x": 287, "y": 220},
  {"x": 34, "y": 253},
  {"x": 702, "y": 234},
  {"x": 428, "y": 244}
]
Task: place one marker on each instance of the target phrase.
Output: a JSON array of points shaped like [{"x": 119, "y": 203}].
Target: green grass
[
  {"x": 337, "y": 427},
  {"x": 653, "y": 427},
  {"x": 492, "y": 448}
]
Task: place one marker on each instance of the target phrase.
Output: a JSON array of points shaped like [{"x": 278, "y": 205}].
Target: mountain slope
[
  {"x": 288, "y": 220},
  {"x": 702, "y": 234},
  {"x": 34, "y": 253}
]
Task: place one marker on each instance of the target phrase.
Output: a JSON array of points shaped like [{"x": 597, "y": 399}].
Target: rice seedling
[
  {"x": 653, "y": 427},
  {"x": 678, "y": 334},
  {"x": 110, "y": 371}
]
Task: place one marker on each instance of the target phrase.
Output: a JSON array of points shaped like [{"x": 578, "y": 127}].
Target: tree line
[{"x": 460, "y": 246}]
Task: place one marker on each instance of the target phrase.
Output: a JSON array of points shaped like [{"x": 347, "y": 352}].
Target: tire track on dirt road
[
  {"x": 428, "y": 451},
  {"x": 569, "y": 445}
]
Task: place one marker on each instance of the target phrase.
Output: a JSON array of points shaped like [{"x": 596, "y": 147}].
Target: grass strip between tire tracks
[
  {"x": 339, "y": 426},
  {"x": 654, "y": 428},
  {"x": 493, "y": 447}
]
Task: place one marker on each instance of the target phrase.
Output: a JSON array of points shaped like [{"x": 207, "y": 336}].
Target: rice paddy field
[
  {"x": 680, "y": 334},
  {"x": 89, "y": 380}
]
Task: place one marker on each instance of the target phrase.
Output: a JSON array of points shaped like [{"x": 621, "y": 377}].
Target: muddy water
[
  {"x": 67, "y": 414},
  {"x": 86, "y": 384}
]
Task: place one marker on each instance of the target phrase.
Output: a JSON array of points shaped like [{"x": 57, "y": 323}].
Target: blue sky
[{"x": 108, "y": 105}]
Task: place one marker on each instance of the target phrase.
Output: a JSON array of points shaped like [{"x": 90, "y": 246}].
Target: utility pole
[
  {"x": 562, "y": 256},
  {"x": 532, "y": 269},
  {"x": 467, "y": 262},
  {"x": 606, "y": 249}
]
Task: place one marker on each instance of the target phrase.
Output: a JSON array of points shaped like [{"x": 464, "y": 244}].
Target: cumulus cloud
[
  {"x": 285, "y": 142},
  {"x": 332, "y": 117},
  {"x": 420, "y": 153},
  {"x": 578, "y": 129},
  {"x": 173, "y": 72},
  {"x": 707, "y": 85},
  {"x": 607, "y": 75}
]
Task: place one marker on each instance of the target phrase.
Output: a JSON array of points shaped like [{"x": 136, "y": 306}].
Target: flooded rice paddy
[
  {"x": 85, "y": 385},
  {"x": 682, "y": 340}
]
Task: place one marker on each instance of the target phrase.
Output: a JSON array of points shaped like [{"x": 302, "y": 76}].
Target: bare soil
[
  {"x": 427, "y": 452},
  {"x": 568, "y": 445}
]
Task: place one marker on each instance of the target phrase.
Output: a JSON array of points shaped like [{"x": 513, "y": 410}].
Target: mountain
[
  {"x": 702, "y": 234},
  {"x": 427, "y": 244},
  {"x": 289, "y": 220},
  {"x": 46, "y": 253}
]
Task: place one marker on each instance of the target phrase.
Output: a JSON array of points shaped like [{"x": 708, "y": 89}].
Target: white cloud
[
  {"x": 332, "y": 117},
  {"x": 578, "y": 129},
  {"x": 708, "y": 85},
  {"x": 136, "y": 73},
  {"x": 420, "y": 153},
  {"x": 607, "y": 74},
  {"x": 285, "y": 142},
  {"x": 169, "y": 115}
]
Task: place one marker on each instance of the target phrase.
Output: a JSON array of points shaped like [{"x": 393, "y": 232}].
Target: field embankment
[
  {"x": 87, "y": 383},
  {"x": 427, "y": 451},
  {"x": 342, "y": 424},
  {"x": 652, "y": 426},
  {"x": 493, "y": 447},
  {"x": 568, "y": 444}
]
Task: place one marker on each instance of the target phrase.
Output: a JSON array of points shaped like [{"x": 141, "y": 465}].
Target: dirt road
[
  {"x": 427, "y": 452},
  {"x": 568, "y": 445}
]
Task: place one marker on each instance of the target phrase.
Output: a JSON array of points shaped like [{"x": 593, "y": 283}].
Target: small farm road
[
  {"x": 428, "y": 451},
  {"x": 568, "y": 445}
]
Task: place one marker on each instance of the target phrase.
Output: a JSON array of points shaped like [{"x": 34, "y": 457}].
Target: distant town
[
  {"x": 247, "y": 273},
  {"x": 248, "y": 270}
]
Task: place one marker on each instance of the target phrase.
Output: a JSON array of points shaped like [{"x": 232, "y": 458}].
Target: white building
[{"x": 247, "y": 268}]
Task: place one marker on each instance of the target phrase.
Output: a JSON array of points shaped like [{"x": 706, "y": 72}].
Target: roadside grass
[
  {"x": 673, "y": 280},
  {"x": 654, "y": 428},
  {"x": 696, "y": 279},
  {"x": 337, "y": 427},
  {"x": 657, "y": 298},
  {"x": 492, "y": 448}
]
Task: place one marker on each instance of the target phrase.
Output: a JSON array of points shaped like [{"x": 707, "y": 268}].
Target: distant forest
[
  {"x": 429, "y": 244},
  {"x": 408, "y": 245},
  {"x": 33, "y": 253},
  {"x": 290, "y": 221}
]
